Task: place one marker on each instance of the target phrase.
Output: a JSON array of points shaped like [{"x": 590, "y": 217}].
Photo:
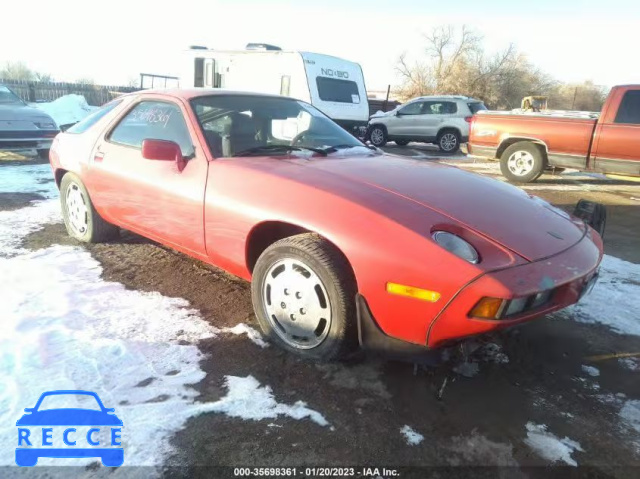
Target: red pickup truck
[{"x": 527, "y": 144}]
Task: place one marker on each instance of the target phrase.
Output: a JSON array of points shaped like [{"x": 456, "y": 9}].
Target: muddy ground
[{"x": 477, "y": 421}]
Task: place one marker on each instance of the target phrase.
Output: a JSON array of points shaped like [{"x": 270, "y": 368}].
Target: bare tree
[
  {"x": 17, "y": 71},
  {"x": 455, "y": 62}
]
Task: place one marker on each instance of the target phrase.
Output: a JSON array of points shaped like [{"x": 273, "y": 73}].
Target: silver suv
[{"x": 443, "y": 120}]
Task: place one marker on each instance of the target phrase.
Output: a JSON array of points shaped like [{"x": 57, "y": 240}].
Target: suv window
[
  {"x": 153, "y": 120},
  {"x": 476, "y": 106},
  {"x": 439, "y": 108},
  {"x": 414, "y": 108},
  {"x": 87, "y": 122},
  {"x": 629, "y": 111},
  {"x": 341, "y": 91}
]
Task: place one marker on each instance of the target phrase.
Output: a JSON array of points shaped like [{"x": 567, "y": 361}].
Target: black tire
[
  {"x": 378, "y": 135},
  {"x": 448, "y": 141},
  {"x": 537, "y": 168},
  {"x": 336, "y": 275},
  {"x": 44, "y": 154},
  {"x": 402, "y": 142},
  {"x": 97, "y": 229}
]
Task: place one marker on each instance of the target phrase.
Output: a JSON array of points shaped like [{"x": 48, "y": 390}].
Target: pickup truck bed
[{"x": 609, "y": 144}]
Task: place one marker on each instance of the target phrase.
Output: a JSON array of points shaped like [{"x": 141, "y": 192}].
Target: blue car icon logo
[{"x": 63, "y": 432}]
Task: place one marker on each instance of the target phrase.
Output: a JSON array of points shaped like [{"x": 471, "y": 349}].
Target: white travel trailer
[{"x": 333, "y": 85}]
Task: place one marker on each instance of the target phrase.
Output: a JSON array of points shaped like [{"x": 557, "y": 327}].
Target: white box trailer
[{"x": 333, "y": 85}]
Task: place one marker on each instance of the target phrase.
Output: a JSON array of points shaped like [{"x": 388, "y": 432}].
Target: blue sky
[{"x": 571, "y": 40}]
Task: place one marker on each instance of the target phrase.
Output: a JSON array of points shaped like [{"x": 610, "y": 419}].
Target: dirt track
[{"x": 480, "y": 420}]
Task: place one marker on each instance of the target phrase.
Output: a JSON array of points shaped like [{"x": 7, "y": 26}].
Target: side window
[
  {"x": 153, "y": 120},
  {"x": 629, "y": 111},
  {"x": 440, "y": 108},
  {"x": 414, "y": 108}
]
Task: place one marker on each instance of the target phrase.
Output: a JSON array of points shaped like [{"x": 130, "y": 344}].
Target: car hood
[
  {"x": 21, "y": 112},
  {"x": 69, "y": 417},
  {"x": 525, "y": 224}
]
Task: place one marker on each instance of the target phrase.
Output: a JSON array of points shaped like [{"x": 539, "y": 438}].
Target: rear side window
[
  {"x": 153, "y": 120},
  {"x": 475, "y": 107},
  {"x": 629, "y": 111},
  {"x": 88, "y": 121},
  {"x": 439, "y": 108},
  {"x": 341, "y": 91}
]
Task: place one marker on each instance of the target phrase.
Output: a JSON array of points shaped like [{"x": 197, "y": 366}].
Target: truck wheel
[
  {"x": 378, "y": 136},
  {"x": 402, "y": 142},
  {"x": 448, "y": 141},
  {"x": 303, "y": 293},
  {"x": 522, "y": 162},
  {"x": 80, "y": 217}
]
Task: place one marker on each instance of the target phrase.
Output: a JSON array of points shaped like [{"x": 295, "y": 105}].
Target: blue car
[{"x": 38, "y": 417}]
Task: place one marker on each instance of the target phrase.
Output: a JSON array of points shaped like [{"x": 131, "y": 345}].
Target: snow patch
[
  {"x": 615, "y": 299},
  {"x": 28, "y": 179},
  {"x": 66, "y": 109},
  {"x": 591, "y": 371},
  {"x": 251, "y": 333},
  {"x": 549, "y": 446},
  {"x": 492, "y": 353},
  {"x": 247, "y": 399},
  {"x": 16, "y": 224},
  {"x": 632, "y": 364},
  {"x": 412, "y": 437}
]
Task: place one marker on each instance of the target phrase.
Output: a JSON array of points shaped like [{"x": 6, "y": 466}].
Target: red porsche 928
[{"x": 342, "y": 243}]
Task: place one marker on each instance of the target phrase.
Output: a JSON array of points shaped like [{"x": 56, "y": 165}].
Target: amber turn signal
[
  {"x": 487, "y": 308},
  {"x": 410, "y": 291}
]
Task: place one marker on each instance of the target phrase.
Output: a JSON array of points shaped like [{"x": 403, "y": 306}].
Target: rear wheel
[
  {"x": 402, "y": 142},
  {"x": 44, "y": 154},
  {"x": 449, "y": 141},
  {"x": 303, "y": 293},
  {"x": 80, "y": 217},
  {"x": 378, "y": 136},
  {"x": 522, "y": 162}
]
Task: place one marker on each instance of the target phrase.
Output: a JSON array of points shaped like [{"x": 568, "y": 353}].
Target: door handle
[{"x": 98, "y": 156}]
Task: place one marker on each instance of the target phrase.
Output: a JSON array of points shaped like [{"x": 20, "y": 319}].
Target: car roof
[{"x": 189, "y": 93}]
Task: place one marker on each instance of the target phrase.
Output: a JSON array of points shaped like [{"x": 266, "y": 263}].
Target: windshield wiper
[{"x": 285, "y": 148}]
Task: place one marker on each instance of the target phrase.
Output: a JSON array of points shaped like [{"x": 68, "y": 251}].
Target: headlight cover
[{"x": 456, "y": 245}]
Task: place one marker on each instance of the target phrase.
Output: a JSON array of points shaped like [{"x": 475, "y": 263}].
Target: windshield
[
  {"x": 69, "y": 401},
  {"x": 7, "y": 96},
  {"x": 235, "y": 125}
]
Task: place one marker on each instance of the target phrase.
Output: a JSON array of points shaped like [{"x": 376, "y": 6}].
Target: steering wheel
[{"x": 298, "y": 137}]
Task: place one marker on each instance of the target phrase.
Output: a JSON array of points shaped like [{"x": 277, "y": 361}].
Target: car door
[
  {"x": 617, "y": 137},
  {"x": 151, "y": 197},
  {"x": 403, "y": 122},
  {"x": 434, "y": 114}
]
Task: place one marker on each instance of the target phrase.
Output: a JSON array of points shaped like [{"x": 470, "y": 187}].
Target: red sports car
[{"x": 342, "y": 243}]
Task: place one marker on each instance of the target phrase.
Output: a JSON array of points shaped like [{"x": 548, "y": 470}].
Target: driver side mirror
[
  {"x": 29, "y": 409},
  {"x": 163, "y": 150}
]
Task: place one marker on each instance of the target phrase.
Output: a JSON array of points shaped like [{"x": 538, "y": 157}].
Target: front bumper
[
  {"x": 20, "y": 140},
  {"x": 569, "y": 275}
]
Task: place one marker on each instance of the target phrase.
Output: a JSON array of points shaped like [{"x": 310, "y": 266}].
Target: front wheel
[
  {"x": 522, "y": 162},
  {"x": 80, "y": 217},
  {"x": 303, "y": 293},
  {"x": 378, "y": 136}
]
